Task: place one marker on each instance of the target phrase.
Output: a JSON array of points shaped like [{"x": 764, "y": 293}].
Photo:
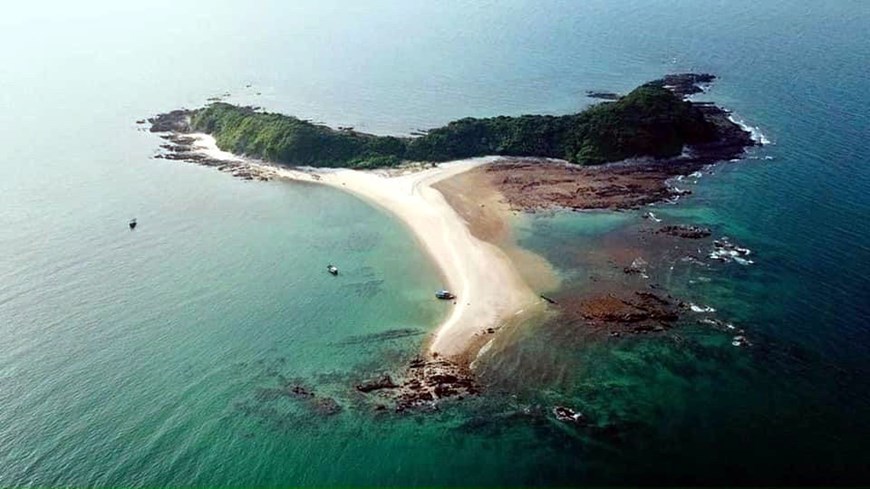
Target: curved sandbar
[{"x": 489, "y": 289}]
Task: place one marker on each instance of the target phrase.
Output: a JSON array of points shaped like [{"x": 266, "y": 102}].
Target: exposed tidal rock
[
  {"x": 640, "y": 312},
  {"x": 177, "y": 121},
  {"x": 685, "y": 84},
  {"x": 434, "y": 380},
  {"x": 425, "y": 384},
  {"x": 183, "y": 147},
  {"x": 531, "y": 184}
]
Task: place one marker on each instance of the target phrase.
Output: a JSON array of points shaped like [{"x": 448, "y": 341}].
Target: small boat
[
  {"x": 132, "y": 224},
  {"x": 445, "y": 294},
  {"x": 332, "y": 269}
]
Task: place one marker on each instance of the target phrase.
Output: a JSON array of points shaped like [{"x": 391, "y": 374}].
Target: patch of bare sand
[{"x": 476, "y": 198}]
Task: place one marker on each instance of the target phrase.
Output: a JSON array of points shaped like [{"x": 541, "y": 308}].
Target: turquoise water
[{"x": 140, "y": 358}]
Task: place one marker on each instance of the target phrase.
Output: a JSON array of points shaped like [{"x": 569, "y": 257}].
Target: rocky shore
[
  {"x": 425, "y": 384},
  {"x": 622, "y": 312},
  {"x": 181, "y": 145},
  {"x": 531, "y": 184}
]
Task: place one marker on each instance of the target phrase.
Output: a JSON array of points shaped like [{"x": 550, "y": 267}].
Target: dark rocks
[
  {"x": 177, "y": 121},
  {"x": 299, "y": 391},
  {"x": 293, "y": 391},
  {"x": 432, "y": 381},
  {"x": 641, "y": 312},
  {"x": 568, "y": 415},
  {"x": 685, "y": 84},
  {"x": 602, "y": 95},
  {"x": 384, "y": 382},
  {"x": 534, "y": 184},
  {"x": 686, "y": 231},
  {"x": 427, "y": 382},
  {"x": 417, "y": 363},
  {"x": 183, "y": 147}
]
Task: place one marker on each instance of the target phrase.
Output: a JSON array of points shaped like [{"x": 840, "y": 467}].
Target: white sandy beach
[{"x": 488, "y": 287}]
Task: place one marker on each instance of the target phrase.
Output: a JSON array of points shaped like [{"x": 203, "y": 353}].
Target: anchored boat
[
  {"x": 132, "y": 224},
  {"x": 332, "y": 269},
  {"x": 445, "y": 294}
]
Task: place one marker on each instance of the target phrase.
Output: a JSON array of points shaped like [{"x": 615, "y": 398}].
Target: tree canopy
[{"x": 649, "y": 121}]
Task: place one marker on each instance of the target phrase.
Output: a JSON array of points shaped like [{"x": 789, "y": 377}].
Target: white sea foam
[
  {"x": 652, "y": 217},
  {"x": 696, "y": 308},
  {"x": 754, "y": 131}
]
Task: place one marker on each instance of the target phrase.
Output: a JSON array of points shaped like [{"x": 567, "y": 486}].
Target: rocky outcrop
[
  {"x": 432, "y": 380},
  {"x": 176, "y": 121},
  {"x": 686, "y": 231},
  {"x": 532, "y": 184},
  {"x": 426, "y": 383},
  {"x": 640, "y": 312},
  {"x": 685, "y": 84},
  {"x": 182, "y": 147}
]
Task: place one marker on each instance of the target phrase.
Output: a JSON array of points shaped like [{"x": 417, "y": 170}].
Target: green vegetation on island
[{"x": 649, "y": 121}]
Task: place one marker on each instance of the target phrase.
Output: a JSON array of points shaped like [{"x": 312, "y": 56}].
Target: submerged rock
[
  {"x": 384, "y": 382},
  {"x": 326, "y": 406}
]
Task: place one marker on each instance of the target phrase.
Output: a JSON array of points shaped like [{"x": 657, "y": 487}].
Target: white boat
[{"x": 445, "y": 294}]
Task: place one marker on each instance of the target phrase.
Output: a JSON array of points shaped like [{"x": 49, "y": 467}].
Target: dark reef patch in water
[{"x": 392, "y": 334}]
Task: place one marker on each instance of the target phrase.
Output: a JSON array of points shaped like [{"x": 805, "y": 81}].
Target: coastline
[
  {"x": 489, "y": 287},
  {"x": 460, "y": 212}
]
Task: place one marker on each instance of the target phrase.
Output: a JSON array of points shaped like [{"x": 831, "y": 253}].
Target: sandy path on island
[{"x": 489, "y": 288}]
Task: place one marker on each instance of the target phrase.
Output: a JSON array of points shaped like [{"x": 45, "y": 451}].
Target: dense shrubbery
[
  {"x": 649, "y": 121},
  {"x": 286, "y": 139}
]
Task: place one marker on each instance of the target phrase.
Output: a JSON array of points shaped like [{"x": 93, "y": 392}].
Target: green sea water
[{"x": 144, "y": 358}]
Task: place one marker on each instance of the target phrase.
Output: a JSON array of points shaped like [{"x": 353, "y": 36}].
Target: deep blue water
[{"x": 135, "y": 358}]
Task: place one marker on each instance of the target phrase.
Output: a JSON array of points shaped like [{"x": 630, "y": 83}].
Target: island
[
  {"x": 456, "y": 186},
  {"x": 653, "y": 120}
]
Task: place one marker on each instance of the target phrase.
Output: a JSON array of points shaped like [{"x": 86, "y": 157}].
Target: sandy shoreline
[{"x": 489, "y": 288}]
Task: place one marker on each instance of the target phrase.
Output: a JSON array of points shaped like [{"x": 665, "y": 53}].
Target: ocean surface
[{"x": 145, "y": 358}]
